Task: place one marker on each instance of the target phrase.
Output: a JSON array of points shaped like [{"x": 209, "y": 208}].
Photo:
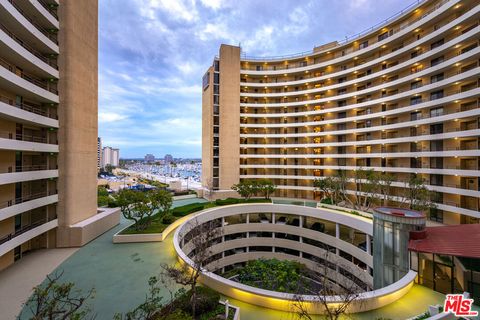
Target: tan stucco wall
[
  {"x": 6, "y": 260},
  {"x": 229, "y": 116},
  {"x": 207, "y": 133},
  {"x": 78, "y": 113}
]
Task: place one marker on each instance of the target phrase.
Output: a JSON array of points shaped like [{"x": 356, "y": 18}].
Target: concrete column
[
  {"x": 337, "y": 230},
  {"x": 273, "y": 218},
  {"x": 248, "y": 217},
  {"x": 369, "y": 247},
  {"x": 223, "y": 221},
  {"x": 301, "y": 221}
]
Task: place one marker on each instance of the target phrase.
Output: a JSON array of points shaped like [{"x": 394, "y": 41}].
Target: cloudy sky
[{"x": 153, "y": 54}]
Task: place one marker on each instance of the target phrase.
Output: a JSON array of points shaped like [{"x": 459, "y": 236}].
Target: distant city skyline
[{"x": 152, "y": 58}]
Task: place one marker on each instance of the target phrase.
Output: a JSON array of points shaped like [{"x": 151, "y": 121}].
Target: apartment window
[
  {"x": 436, "y": 145},
  {"x": 341, "y": 91},
  {"x": 343, "y": 68},
  {"x": 435, "y": 112},
  {"x": 216, "y": 109},
  {"x": 341, "y": 126},
  {"x": 416, "y": 84},
  {"x": 342, "y": 103},
  {"x": 216, "y": 65},
  {"x": 436, "y": 128},
  {"x": 437, "y": 44},
  {"x": 341, "y": 150},
  {"x": 436, "y": 61},
  {"x": 216, "y": 99},
  {"x": 216, "y": 78},
  {"x": 364, "y": 44},
  {"x": 436, "y": 215},
  {"x": 414, "y": 54},
  {"x": 216, "y": 89},
  {"x": 436, "y": 95},
  {"x": 415, "y": 116},
  {"x": 415, "y": 100},
  {"x": 383, "y": 36},
  {"x": 215, "y": 162},
  {"x": 215, "y": 141},
  {"x": 436, "y": 77},
  {"x": 342, "y": 115},
  {"x": 343, "y": 79}
]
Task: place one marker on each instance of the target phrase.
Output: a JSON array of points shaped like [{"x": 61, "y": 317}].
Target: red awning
[{"x": 460, "y": 240}]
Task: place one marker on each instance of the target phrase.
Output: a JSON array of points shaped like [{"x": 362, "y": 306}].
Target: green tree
[
  {"x": 149, "y": 309},
  {"x": 266, "y": 187},
  {"x": 131, "y": 206},
  {"x": 58, "y": 301},
  {"x": 246, "y": 188},
  {"x": 416, "y": 195},
  {"x": 162, "y": 201}
]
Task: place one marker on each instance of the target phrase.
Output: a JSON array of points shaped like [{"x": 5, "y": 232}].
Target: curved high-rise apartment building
[
  {"x": 402, "y": 98},
  {"x": 48, "y": 124}
]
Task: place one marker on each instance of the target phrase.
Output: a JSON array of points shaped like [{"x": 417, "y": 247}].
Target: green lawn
[
  {"x": 194, "y": 207},
  {"x": 157, "y": 227}
]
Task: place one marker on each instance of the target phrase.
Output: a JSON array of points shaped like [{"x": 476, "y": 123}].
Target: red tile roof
[{"x": 460, "y": 240}]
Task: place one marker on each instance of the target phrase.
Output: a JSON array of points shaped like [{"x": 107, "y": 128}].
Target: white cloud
[
  {"x": 213, "y": 4},
  {"x": 107, "y": 117}
]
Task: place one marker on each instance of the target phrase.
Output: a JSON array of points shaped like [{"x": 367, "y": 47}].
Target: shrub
[
  {"x": 169, "y": 219},
  {"x": 326, "y": 201},
  {"x": 187, "y": 209},
  {"x": 102, "y": 201},
  {"x": 207, "y": 300},
  {"x": 178, "y": 315}
]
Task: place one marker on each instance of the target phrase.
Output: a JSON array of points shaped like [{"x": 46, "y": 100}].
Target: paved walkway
[{"x": 17, "y": 281}]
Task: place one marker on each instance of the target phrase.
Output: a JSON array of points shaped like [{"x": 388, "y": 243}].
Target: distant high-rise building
[
  {"x": 110, "y": 156},
  {"x": 168, "y": 158},
  {"x": 99, "y": 153},
  {"x": 149, "y": 157}
]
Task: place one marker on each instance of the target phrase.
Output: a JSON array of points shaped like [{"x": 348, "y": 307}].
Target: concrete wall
[
  {"x": 78, "y": 114},
  {"x": 207, "y": 133},
  {"x": 229, "y": 116}
]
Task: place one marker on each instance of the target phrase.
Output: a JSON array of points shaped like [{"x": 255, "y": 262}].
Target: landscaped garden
[
  {"x": 272, "y": 274},
  {"x": 151, "y": 211}
]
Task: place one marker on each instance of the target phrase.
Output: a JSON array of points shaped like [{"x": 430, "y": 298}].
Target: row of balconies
[
  {"x": 45, "y": 110},
  {"x": 463, "y": 73},
  {"x": 381, "y": 74},
  {"x": 50, "y": 33},
  {"x": 49, "y": 59},
  {"x": 439, "y": 121},
  {"x": 49, "y": 85},
  {"x": 408, "y": 37},
  {"x": 375, "y": 112}
]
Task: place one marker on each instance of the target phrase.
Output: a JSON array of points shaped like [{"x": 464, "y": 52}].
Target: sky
[{"x": 153, "y": 54}]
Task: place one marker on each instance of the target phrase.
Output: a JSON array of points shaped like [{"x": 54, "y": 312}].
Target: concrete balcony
[
  {"x": 16, "y": 206},
  {"x": 10, "y": 141},
  {"x": 27, "y": 113},
  {"x": 12, "y": 14},
  {"x": 19, "y": 237},
  {"x": 45, "y": 15},
  {"x": 28, "y": 174},
  {"x": 17, "y": 50}
]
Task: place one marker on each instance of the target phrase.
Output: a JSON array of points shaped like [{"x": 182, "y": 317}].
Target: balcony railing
[
  {"x": 24, "y": 137},
  {"x": 23, "y": 230},
  {"x": 51, "y": 8},
  {"x": 26, "y": 198},
  {"x": 47, "y": 33},
  {"x": 30, "y": 78},
  {"x": 26, "y": 168},
  {"x": 50, "y": 62},
  {"x": 28, "y": 107}
]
